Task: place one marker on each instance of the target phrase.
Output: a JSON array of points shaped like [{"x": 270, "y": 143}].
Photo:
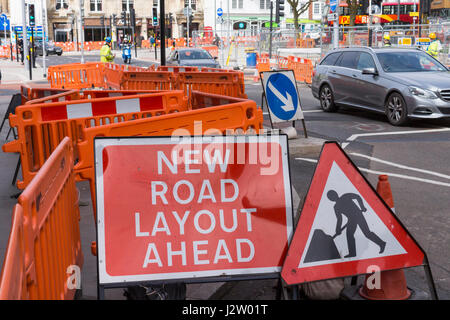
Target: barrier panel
[
  {"x": 177, "y": 69},
  {"x": 77, "y": 75},
  {"x": 65, "y": 96},
  {"x": 303, "y": 69},
  {"x": 45, "y": 234},
  {"x": 240, "y": 117},
  {"x": 201, "y": 100},
  {"x": 29, "y": 93},
  {"x": 153, "y": 80},
  {"x": 222, "y": 83},
  {"x": 42, "y": 127}
]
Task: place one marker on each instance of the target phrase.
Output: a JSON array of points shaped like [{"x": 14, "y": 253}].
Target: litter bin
[{"x": 251, "y": 59}]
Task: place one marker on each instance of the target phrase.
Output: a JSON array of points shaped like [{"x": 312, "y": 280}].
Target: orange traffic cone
[{"x": 392, "y": 282}]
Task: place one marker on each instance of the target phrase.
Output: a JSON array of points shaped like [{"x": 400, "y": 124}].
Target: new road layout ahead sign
[
  {"x": 345, "y": 228},
  {"x": 191, "y": 207},
  {"x": 280, "y": 89}
]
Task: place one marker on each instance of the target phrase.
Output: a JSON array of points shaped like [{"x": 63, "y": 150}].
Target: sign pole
[
  {"x": 270, "y": 30},
  {"x": 162, "y": 23},
  {"x": 44, "y": 37},
  {"x": 24, "y": 34}
]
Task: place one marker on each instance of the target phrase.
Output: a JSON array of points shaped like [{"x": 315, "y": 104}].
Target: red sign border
[
  {"x": 205, "y": 278},
  {"x": 308, "y": 213}
]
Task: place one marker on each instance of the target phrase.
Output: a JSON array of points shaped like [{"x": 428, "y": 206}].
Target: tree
[
  {"x": 298, "y": 7},
  {"x": 352, "y": 6}
]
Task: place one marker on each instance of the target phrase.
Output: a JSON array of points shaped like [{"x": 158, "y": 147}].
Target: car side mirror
[{"x": 371, "y": 71}]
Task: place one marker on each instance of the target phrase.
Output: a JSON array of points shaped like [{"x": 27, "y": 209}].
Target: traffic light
[
  {"x": 31, "y": 15},
  {"x": 155, "y": 16},
  {"x": 102, "y": 20},
  {"x": 240, "y": 25},
  {"x": 279, "y": 10},
  {"x": 132, "y": 17},
  {"x": 123, "y": 17}
]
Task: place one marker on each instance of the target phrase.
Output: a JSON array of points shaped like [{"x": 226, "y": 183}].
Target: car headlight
[{"x": 423, "y": 93}]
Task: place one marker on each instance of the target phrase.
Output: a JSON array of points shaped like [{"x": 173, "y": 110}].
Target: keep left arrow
[{"x": 287, "y": 101}]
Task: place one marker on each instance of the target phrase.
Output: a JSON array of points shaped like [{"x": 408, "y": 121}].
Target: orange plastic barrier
[
  {"x": 42, "y": 127},
  {"x": 201, "y": 100},
  {"x": 303, "y": 69},
  {"x": 263, "y": 65},
  {"x": 243, "y": 116},
  {"x": 153, "y": 80},
  {"x": 45, "y": 234},
  {"x": 222, "y": 83},
  {"x": 29, "y": 93},
  {"x": 64, "y": 96},
  {"x": 177, "y": 69},
  {"x": 76, "y": 75}
]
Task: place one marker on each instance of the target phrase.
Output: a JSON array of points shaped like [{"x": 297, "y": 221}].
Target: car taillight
[{"x": 314, "y": 72}]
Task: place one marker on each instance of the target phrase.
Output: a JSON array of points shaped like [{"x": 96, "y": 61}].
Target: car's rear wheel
[
  {"x": 327, "y": 99},
  {"x": 396, "y": 110}
]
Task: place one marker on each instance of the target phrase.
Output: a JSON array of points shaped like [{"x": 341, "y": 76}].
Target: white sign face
[
  {"x": 280, "y": 88},
  {"x": 332, "y": 16},
  {"x": 363, "y": 236}
]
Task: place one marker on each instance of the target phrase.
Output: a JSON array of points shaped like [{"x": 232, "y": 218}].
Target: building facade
[{"x": 254, "y": 15}]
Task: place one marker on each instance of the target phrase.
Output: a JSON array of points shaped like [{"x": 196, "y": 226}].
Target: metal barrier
[
  {"x": 241, "y": 117},
  {"x": 42, "y": 127},
  {"x": 45, "y": 234}
]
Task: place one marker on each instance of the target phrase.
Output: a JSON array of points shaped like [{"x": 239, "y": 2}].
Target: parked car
[
  {"x": 401, "y": 83},
  {"x": 192, "y": 57},
  {"x": 50, "y": 48}
]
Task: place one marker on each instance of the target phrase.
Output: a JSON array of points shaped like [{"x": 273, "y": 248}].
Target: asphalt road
[{"x": 414, "y": 156}]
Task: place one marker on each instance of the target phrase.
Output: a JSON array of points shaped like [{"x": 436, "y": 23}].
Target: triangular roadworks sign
[{"x": 345, "y": 227}]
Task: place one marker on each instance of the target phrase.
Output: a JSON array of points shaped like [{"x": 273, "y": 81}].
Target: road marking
[
  {"x": 401, "y": 176},
  {"x": 355, "y": 136},
  {"x": 401, "y": 166}
]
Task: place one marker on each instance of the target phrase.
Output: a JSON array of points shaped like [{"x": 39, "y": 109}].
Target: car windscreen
[
  {"x": 194, "y": 55},
  {"x": 399, "y": 61}
]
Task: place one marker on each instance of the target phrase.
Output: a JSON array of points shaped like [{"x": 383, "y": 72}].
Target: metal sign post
[
  {"x": 334, "y": 7},
  {"x": 81, "y": 28}
]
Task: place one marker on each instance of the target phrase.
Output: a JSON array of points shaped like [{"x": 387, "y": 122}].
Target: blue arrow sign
[
  {"x": 4, "y": 22},
  {"x": 219, "y": 12},
  {"x": 333, "y": 5},
  {"x": 282, "y": 96}
]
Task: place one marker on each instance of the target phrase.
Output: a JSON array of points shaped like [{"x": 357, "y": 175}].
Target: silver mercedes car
[{"x": 401, "y": 83}]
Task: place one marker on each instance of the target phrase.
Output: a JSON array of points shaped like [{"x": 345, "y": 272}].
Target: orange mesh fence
[
  {"x": 45, "y": 237},
  {"x": 240, "y": 117},
  {"x": 76, "y": 75},
  {"x": 42, "y": 127}
]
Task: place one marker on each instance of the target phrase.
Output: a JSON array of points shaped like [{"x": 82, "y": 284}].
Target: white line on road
[
  {"x": 304, "y": 111},
  {"x": 401, "y": 166},
  {"x": 401, "y": 176},
  {"x": 355, "y": 136}
]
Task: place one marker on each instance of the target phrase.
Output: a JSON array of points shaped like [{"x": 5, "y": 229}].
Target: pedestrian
[
  {"x": 105, "y": 52},
  {"x": 387, "y": 40},
  {"x": 20, "y": 46},
  {"x": 346, "y": 206},
  {"x": 435, "y": 46},
  {"x": 152, "y": 41}
]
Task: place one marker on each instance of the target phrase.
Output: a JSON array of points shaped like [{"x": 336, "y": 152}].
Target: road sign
[
  {"x": 333, "y": 5},
  {"x": 332, "y": 16},
  {"x": 219, "y": 12},
  {"x": 191, "y": 207},
  {"x": 4, "y": 22},
  {"x": 282, "y": 97},
  {"x": 345, "y": 228}
]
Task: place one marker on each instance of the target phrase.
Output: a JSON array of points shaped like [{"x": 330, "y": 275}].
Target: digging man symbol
[{"x": 346, "y": 206}]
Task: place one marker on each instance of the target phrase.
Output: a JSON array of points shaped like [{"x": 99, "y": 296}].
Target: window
[
  {"x": 365, "y": 61},
  {"x": 193, "y": 4},
  {"x": 237, "y": 3},
  {"x": 241, "y": 4},
  {"x": 408, "y": 62},
  {"x": 316, "y": 9},
  {"x": 261, "y": 4},
  {"x": 61, "y": 4},
  {"x": 127, "y": 5},
  {"x": 96, "y": 5},
  {"x": 330, "y": 59},
  {"x": 234, "y": 4},
  {"x": 349, "y": 59}
]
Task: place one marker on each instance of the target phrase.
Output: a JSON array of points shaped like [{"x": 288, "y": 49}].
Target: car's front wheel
[
  {"x": 327, "y": 99},
  {"x": 396, "y": 110}
]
